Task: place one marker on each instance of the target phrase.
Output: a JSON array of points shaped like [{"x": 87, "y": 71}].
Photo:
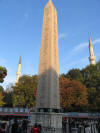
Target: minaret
[
  {"x": 18, "y": 74},
  {"x": 48, "y": 77},
  {"x": 92, "y": 57}
]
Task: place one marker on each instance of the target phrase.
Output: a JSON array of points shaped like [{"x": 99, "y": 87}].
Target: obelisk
[
  {"x": 48, "y": 97},
  {"x": 48, "y": 77}
]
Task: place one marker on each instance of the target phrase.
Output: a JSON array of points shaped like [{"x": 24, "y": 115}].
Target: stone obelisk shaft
[{"x": 48, "y": 78}]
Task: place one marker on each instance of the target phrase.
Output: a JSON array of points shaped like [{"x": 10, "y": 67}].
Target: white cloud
[
  {"x": 62, "y": 35},
  {"x": 96, "y": 41},
  {"x": 81, "y": 46},
  {"x": 73, "y": 64},
  {"x": 81, "y": 63}
]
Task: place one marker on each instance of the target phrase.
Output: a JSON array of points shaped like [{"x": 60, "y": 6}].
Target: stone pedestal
[{"x": 50, "y": 122}]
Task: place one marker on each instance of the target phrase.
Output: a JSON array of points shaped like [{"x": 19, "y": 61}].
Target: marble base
[{"x": 50, "y": 122}]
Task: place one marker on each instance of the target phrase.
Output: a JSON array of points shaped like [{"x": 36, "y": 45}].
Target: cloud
[
  {"x": 81, "y": 63},
  {"x": 75, "y": 50},
  {"x": 62, "y": 35},
  {"x": 81, "y": 46},
  {"x": 73, "y": 64},
  {"x": 96, "y": 41}
]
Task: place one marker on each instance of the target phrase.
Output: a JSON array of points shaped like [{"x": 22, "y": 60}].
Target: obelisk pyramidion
[{"x": 48, "y": 78}]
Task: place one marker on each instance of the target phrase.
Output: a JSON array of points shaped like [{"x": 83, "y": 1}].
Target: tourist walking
[
  {"x": 14, "y": 127},
  {"x": 24, "y": 126},
  {"x": 64, "y": 125},
  {"x": 87, "y": 129},
  {"x": 35, "y": 129},
  {"x": 3, "y": 128}
]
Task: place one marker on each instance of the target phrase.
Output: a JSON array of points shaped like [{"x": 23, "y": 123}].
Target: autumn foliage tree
[{"x": 73, "y": 95}]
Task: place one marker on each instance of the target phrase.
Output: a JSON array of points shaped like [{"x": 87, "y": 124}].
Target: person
[
  {"x": 24, "y": 126},
  {"x": 40, "y": 127},
  {"x": 14, "y": 127},
  {"x": 35, "y": 129},
  {"x": 87, "y": 129},
  {"x": 64, "y": 125},
  {"x": 9, "y": 127},
  {"x": 20, "y": 128},
  {"x": 2, "y": 128},
  {"x": 99, "y": 128}
]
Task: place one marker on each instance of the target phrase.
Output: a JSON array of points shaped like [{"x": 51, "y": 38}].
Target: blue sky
[{"x": 21, "y": 27}]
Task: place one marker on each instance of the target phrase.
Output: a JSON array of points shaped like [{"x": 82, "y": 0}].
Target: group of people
[
  {"x": 14, "y": 126},
  {"x": 18, "y": 126},
  {"x": 80, "y": 126},
  {"x": 68, "y": 126}
]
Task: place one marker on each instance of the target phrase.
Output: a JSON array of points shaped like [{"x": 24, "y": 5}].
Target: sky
[{"x": 21, "y": 27}]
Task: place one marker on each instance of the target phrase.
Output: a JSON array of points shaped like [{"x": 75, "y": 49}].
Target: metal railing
[{"x": 13, "y": 110}]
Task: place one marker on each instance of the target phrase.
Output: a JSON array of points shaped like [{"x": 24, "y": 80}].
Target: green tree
[
  {"x": 1, "y": 99},
  {"x": 24, "y": 91},
  {"x": 75, "y": 74},
  {"x": 91, "y": 80},
  {"x": 7, "y": 95},
  {"x": 3, "y": 73},
  {"x": 91, "y": 76},
  {"x": 8, "y": 99},
  {"x": 91, "y": 99},
  {"x": 1, "y": 89}
]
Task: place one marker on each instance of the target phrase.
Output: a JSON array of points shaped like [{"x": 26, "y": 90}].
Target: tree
[
  {"x": 1, "y": 96},
  {"x": 91, "y": 76},
  {"x": 73, "y": 95},
  {"x": 75, "y": 74},
  {"x": 91, "y": 98},
  {"x": 91, "y": 80},
  {"x": 24, "y": 91},
  {"x": 1, "y": 99},
  {"x": 97, "y": 102},
  {"x": 1, "y": 89},
  {"x": 3, "y": 73},
  {"x": 8, "y": 99},
  {"x": 8, "y": 93}
]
